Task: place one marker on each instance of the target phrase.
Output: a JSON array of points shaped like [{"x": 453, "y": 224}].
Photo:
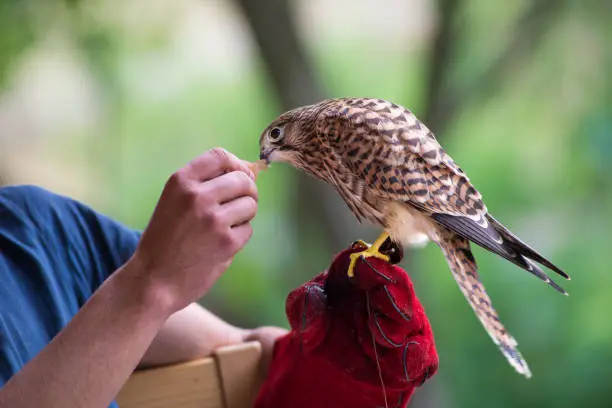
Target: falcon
[{"x": 390, "y": 170}]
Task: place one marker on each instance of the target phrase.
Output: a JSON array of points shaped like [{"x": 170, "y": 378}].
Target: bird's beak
[{"x": 265, "y": 155}]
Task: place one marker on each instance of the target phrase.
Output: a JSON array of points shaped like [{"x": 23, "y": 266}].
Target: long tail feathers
[{"x": 457, "y": 251}]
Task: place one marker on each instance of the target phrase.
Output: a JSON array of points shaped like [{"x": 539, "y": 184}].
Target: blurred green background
[{"x": 103, "y": 99}]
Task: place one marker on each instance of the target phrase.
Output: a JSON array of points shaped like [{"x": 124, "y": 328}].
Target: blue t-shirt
[{"x": 54, "y": 253}]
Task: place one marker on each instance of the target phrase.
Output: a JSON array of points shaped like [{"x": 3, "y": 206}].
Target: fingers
[
  {"x": 240, "y": 235},
  {"x": 394, "y": 301},
  {"x": 229, "y": 186},
  {"x": 418, "y": 361},
  {"x": 238, "y": 211},
  {"x": 225, "y": 195},
  {"x": 214, "y": 163},
  {"x": 389, "y": 332},
  {"x": 266, "y": 335}
]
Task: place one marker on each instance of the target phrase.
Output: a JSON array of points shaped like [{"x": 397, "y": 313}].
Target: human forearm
[
  {"x": 87, "y": 363},
  {"x": 195, "y": 332},
  {"x": 188, "y": 334}
]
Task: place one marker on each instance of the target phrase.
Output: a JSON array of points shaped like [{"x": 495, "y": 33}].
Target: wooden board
[
  {"x": 239, "y": 368},
  {"x": 228, "y": 379},
  {"x": 190, "y": 385}
]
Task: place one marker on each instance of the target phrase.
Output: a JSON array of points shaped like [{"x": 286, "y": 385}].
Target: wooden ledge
[{"x": 228, "y": 379}]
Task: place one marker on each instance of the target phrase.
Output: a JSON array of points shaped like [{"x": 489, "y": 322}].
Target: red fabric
[{"x": 328, "y": 358}]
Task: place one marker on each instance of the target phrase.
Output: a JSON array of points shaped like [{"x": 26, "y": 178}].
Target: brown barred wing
[{"x": 396, "y": 156}]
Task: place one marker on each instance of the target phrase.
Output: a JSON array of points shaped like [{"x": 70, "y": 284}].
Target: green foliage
[{"x": 16, "y": 34}]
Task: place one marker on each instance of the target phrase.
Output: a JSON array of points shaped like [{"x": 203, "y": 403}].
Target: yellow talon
[{"x": 373, "y": 251}]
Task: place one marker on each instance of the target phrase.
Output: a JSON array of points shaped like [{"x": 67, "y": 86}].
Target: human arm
[
  {"x": 201, "y": 221},
  {"x": 195, "y": 332},
  {"x": 86, "y": 364}
]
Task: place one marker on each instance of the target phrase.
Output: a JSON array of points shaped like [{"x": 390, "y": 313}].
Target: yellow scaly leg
[{"x": 373, "y": 251}]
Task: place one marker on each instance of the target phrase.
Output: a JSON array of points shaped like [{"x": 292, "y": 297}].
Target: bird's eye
[{"x": 276, "y": 134}]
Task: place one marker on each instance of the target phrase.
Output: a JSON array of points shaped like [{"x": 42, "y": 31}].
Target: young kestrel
[{"x": 390, "y": 170}]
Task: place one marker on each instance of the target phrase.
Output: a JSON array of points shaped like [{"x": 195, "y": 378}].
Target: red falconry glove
[{"x": 349, "y": 337}]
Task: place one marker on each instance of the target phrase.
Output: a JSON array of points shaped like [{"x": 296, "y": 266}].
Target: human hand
[
  {"x": 201, "y": 221},
  {"x": 354, "y": 342}
]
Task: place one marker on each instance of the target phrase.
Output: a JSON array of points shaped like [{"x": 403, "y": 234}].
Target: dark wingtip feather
[
  {"x": 524, "y": 249},
  {"x": 498, "y": 239},
  {"x": 540, "y": 274},
  {"x": 550, "y": 265}
]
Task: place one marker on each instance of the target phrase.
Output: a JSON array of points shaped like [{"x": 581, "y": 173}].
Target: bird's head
[
  {"x": 290, "y": 138},
  {"x": 285, "y": 138}
]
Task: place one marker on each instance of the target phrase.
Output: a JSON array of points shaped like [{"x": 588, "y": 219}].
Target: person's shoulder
[
  {"x": 59, "y": 220},
  {"x": 25, "y": 192},
  {"x": 32, "y": 200}
]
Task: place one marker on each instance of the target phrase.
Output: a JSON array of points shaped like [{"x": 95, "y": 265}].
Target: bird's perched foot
[{"x": 371, "y": 251}]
